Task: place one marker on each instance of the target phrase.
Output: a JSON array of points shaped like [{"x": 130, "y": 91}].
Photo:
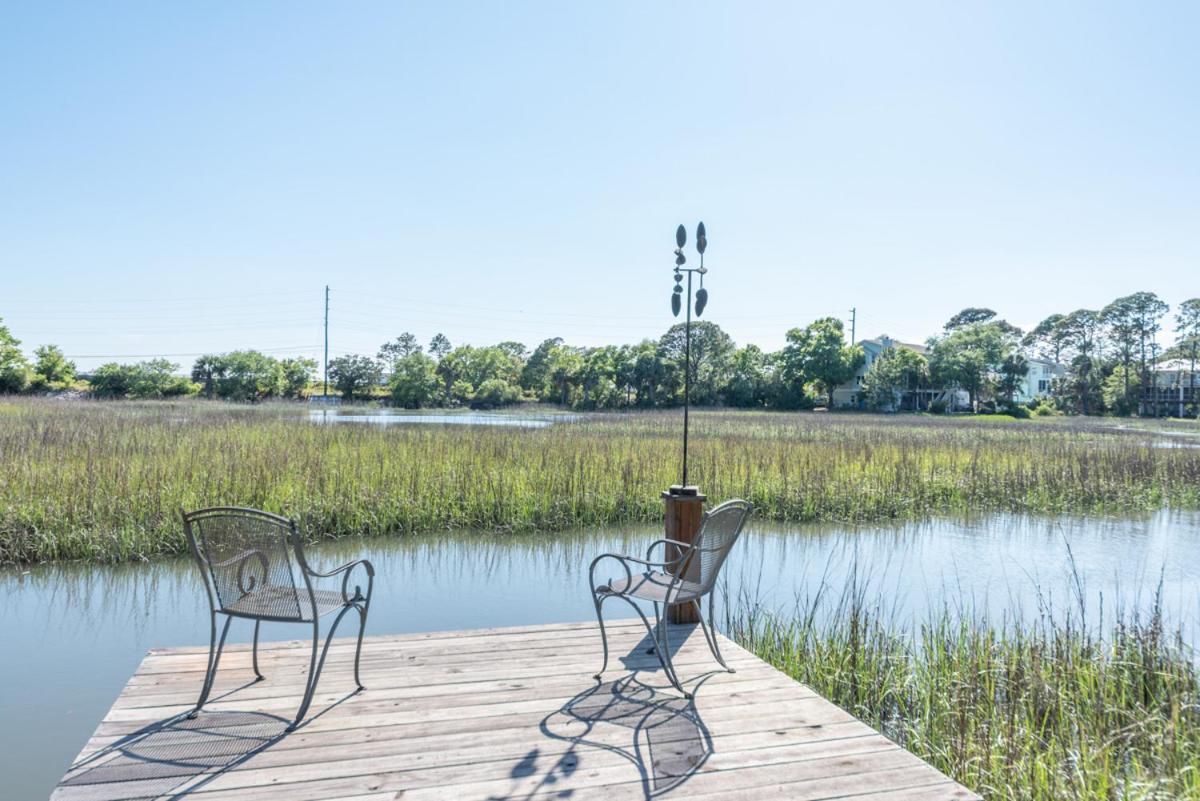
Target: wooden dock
[{"x": 489, "y": 714}]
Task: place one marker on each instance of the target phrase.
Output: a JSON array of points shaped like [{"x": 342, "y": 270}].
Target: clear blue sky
[{"x": 181, "y": 177}]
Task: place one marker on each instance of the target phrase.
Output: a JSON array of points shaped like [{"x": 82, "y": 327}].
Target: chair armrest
[
  {"x": 625, "y": 562},
  {"x": 346, "y": 571},
  {"x": 331, "y": 573},
  {"x": 684, "y": 547}
]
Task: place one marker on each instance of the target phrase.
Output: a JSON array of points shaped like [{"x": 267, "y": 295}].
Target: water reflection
[
  {"x": 389, "y": 417},
  {"x": 75, "y": 633}
]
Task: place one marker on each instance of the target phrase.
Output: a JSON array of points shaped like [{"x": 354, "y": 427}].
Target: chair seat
[
  {"x": 286, "y": 602},
  {"x": 652, "y": 586}
]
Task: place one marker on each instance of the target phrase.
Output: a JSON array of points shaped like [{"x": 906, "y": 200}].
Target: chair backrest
[
  {"x": 246, "y": 558},
  {"x": 719, "y": 530}
]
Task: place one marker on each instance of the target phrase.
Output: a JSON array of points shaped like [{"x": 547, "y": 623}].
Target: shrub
[
  {"x": 1046, "y": 407},
  {"x": 493, "y": 393}
]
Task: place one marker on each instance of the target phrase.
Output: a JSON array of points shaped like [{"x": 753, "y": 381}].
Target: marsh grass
[
  {"x": 1041, "y": 711},
  {"x": 105, "y": 481}
]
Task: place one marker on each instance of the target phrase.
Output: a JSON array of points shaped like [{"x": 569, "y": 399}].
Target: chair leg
[
  {"x": 362, "y": 627},
  {"x": 315, "y": 666},
  {"x": 257, "y": 672},
  {"x": 599, "y": 602},
  {"x": 664, "y": 655},
  {"x": 214, "y": 657},
  {"x": 710, "y": 636}
]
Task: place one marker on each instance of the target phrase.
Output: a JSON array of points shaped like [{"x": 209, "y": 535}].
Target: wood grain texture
[{"x": 489, "y": 714}]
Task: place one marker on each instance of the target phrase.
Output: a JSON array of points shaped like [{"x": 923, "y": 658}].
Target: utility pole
[
  {"x": 325, "y": 393},
  {"x": 853, "y": 324}
]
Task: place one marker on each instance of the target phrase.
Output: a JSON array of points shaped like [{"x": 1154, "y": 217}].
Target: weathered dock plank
[{"x": 488, "y": 714}]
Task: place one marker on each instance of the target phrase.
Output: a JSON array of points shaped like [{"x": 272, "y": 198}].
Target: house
[
  {"x": 1038, "y": 380},
  {"x": 1174, "y": 390},
  {"x": 850, "y": 396}
]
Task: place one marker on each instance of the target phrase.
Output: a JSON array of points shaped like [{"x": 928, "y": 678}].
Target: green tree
[
  {"x": 415, "y": 383},
  {"x": 1121, "y": 328},
  {"x": 819, "y": 354},
  {"x": 156, "y": 378},
  {"x": 516, "y": 350},
  {"x": 894, "y": 371},
  {"x": 967, "y": 355},
  {"x": 206, "y": 370},
  {"x": 354, "y": 374},
  {"x": 14, "y": 369},
  {"x": 52, "y": 366},
  {"x": 749, "y": 378},
  {"x": 297, "y": 375},
  {"x": 1013, "y": 370},
  {"x": 1187, "y": 340},
  {"x": 968, "y": 317},
  {"x": 493, "y": 393},
  {"x": 563, "y": 369},
  {"x": 650, "y": 373},
  {"x": 1048, "y": 337},
  {"x": 711, "y": 351},
  {"x": 476, "y": 365},
  {"x": 111, "y": 380},
  {"x": 1120, "y": 396},
  {"x": 533, "y": 373},
  {"x": 597, "y": 383},
  {"x": 1081, "y": 332},
  {"x": 1148, "y": 312},
  {"x": 404, "y": 345},
  {"x": 439, "y": 346},
  {"x": 250, "y": 376}
]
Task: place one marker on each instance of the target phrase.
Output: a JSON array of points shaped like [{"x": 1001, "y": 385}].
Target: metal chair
[
  {"x": 250, "y": 561},
  {"x": 686, "y": 577}
]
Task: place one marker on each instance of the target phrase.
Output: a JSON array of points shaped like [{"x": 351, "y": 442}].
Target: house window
[{"x": 1043, "y": 386}]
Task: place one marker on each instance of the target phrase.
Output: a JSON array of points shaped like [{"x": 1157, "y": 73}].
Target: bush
[
  {"x": 1046, "y": 407},
  {"x": 938, "y": 407},
  {"x": 1017, "y": 411},
  {"x": 493, "y": 393}
]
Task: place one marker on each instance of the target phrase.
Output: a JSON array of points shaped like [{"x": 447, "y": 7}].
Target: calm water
[
  {"x": 74, "y": 634},
  {"x": 391, "y": 417}
]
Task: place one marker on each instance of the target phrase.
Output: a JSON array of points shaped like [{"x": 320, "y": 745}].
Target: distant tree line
[
  {"x": 1108, "y": 354},
  {"x": 648, "y": 374}
]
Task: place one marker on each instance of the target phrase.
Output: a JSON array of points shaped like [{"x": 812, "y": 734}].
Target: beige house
[{"x": 850, "y": 396}]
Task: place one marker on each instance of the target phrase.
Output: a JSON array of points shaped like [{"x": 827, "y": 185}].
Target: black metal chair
[
  {"x": 250, "y": 561},
  {"x": 686, "y": 577}
]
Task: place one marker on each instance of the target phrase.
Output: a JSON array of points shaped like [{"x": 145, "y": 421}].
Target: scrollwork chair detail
[
  {"x": 686, "y": 577},
  {"x": 250, "y": 561}
]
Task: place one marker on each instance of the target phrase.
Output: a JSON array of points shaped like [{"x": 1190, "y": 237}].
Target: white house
[{"x": 1038, "y": 379}]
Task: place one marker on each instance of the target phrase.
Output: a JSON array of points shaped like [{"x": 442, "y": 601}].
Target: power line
[{"x": 169, "y": 355}]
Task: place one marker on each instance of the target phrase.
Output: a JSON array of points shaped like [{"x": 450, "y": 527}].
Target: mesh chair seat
[
  {"x": 653, "y": 585},
  {"x": 286, "y": 602}
]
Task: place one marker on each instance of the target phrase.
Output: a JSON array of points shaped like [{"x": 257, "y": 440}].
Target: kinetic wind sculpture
[{"x": 701, "y": 300}]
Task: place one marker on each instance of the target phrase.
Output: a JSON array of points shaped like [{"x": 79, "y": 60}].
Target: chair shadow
[
  {"x": 642, "y": 657},
  {"x": 173, "y": 757},
  {"x": 651, "y": 727},
  {"x": 176, "y": 756}
]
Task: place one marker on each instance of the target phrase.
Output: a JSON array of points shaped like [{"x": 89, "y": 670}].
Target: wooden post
[{"x": 683, "y": 513}]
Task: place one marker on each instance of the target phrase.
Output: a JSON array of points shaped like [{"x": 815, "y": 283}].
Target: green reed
[
  {"x": 1043, "y": 712},
  {"x": 105, "y": 481}
]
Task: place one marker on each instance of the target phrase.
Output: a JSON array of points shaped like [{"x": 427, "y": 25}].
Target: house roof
[
  {"x": 1172, "y": 365},
  {"x": 879, "y": 341}
]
